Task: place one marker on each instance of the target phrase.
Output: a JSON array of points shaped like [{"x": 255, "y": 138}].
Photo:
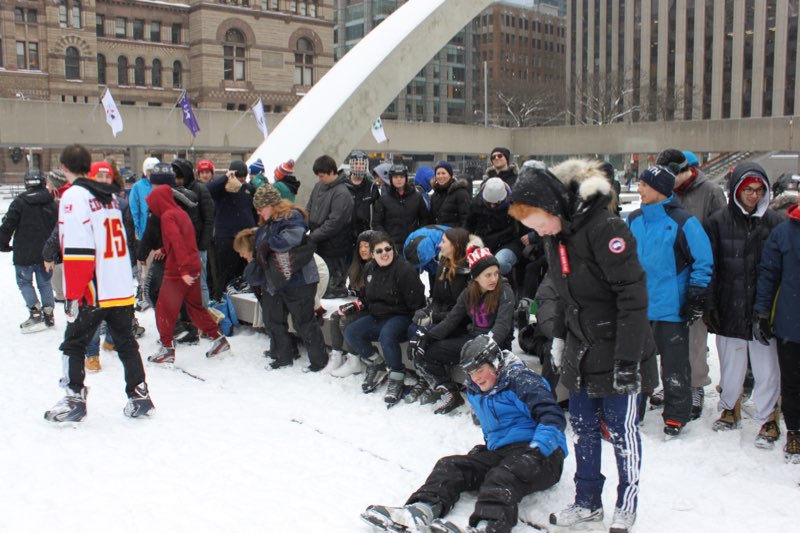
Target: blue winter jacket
[
  {"x": 519, "y": 408},
  {"x": 139, "y": 192},
  {"x": 779, "y": 278},
  {"x": 278, "y": 239},
  {"x": 675, "y": 253}
]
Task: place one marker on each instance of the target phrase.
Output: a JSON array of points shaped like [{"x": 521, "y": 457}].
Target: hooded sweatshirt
[{"x": 177, "y": 234}]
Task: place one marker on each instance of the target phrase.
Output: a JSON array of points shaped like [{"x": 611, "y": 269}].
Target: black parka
[
  {"x": 30, "y": 219},
  {"x": 393, "y": 290},
  {"x": 450, "y": 204},
  {"x": 400, "y": 215},
  {"x": 445, "y": 292},
  {"x": 205, "y": 206}
]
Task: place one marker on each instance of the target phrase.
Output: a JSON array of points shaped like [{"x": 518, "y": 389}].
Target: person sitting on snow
[{"x": 524, "y": 450}]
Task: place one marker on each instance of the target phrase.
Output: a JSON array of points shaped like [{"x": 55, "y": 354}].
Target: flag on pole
[
  {"x": 261, "y": 120},
  {"x": 377, "y": 131},
  {"x": 188, "y": 115},
  {"x": 113, "y": 117}
]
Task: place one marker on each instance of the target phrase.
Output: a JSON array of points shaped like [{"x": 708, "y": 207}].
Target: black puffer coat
[
  {"x": 737, "y": 240},
  {"x": 364, "y": 194},
  {"x": 30, "y": 219},
  {"x": 450, "y": 204},
  {"x": 400, "y": 215},
  {"x": 205, "y": 206},
  {"x": 330, "y": 217},
  {"x": 393, "y": 290},
  {"x": 445, "y": 292},
  {"x": 494, "y": 226}
]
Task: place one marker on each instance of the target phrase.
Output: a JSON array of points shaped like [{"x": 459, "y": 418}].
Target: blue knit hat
[
  {"x": 423, "y": 178},
  {"x": 445, "y": 165},
  {"x": 257, "y": 167}
]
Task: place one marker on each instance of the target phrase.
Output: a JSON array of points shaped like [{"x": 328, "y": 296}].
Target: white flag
[
  {"x": 261, "y": 120},
  {"x": 113, "y": 117},
  {"x": 377, "y": 131}
]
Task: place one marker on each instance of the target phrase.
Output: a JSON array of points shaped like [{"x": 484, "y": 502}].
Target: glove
[
  {"x": 762, "y": 329},
  {"x": 627, "y": 379},
  {"x": 557, "y": 353},
  {"x": 351, "y": 308},
  {"x": 522, "y": 314},
  {"x": 417, "y": 344},
  {"x": 695, "y": 304},
  {"x": 422, "y": 317},
  {"x": 711, "y": 319},
  {"x": 71, "y": 309},
  {"x": 547, "y": 439}
]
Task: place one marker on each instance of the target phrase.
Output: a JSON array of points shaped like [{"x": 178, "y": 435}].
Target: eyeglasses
[
  {"x": 497, "y": 156},
  {"x": 749, "y": 190},
  {"x": 386, "y": 250}
]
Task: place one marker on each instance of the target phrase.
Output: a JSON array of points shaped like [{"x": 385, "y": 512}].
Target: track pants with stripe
[{"x": 621, "y": 416}]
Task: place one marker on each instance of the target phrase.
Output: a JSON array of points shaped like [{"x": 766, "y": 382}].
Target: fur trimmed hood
[{"x": 585, "y": 175}]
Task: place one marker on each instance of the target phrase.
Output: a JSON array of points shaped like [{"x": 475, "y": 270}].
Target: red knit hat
[
  {"x": 746, "y": 182},
  {"x": 479, "y": 259},
  {"x": 284, "y": 169}
]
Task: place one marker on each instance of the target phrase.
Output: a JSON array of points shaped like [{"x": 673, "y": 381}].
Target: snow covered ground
[{"x": 248, "y": 450}]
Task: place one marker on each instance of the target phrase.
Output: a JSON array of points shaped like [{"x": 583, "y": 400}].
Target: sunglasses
[
  {"x": 386, "y": 250},
  {"x": 497, "y": 156}
]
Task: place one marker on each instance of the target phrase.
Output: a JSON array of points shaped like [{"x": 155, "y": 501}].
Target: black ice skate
[
  {"x": 71, "y": 408},
  {"x": 139, "y": 402}
]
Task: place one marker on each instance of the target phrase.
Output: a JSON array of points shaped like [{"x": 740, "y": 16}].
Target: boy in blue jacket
[{"x": 524, "y": 450}]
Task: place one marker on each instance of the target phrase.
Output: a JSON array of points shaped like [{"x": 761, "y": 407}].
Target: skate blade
[
  {"x": 381, "y": 523},
  {"x": 764, "y": 445},
  {"x": 33, "y": 329},
  {"x": 792, "y": 459}
]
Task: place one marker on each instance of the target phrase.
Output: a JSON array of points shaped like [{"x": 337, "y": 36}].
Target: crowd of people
[{"x": 437, "y": 280}]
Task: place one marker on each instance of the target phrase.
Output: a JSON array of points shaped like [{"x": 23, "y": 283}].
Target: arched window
[
  {"x": 177, "y": 75},
  {"x": 233, "y": 53},
  {"x": 101, "y": 69},
  {"x": 122, "y": 70},
  {"x": 72, "y": 64},
  {"x": 138, "y": 72},
  {"x": 304, "y": 63},
  {"x": 156, "y": 73}
]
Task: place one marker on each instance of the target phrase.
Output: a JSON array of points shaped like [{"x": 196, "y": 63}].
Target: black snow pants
[
  {"x": 672, "y": 340},
  {"x": 502, "y": 478}
]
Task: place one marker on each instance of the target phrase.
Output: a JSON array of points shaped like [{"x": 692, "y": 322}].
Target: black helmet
[
  {"x": 183, "y": 169},
  {"x": 34, "y": 178},
  {"x": 478, "y": 351},
  {"x": 398, "y": 170}
]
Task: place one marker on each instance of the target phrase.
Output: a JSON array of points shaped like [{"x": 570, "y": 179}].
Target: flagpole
[
  {"x": 171, "y": 110},
  {"x": 238, "y": 121},
  {"x": 91, "y": 113}
]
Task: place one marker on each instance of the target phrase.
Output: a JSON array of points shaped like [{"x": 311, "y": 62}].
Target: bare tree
[
  {"x": 603, "y": 99},
  {"x": 531, "y": 106}
]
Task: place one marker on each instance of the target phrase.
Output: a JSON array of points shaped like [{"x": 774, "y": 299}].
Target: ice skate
[
  {"x": 49, "y": 319},
  {"x": 375, "y": 376},
  {"x": 394, "y": 390},
  {"x": 352, "y": 365},
  {"x": 574, "y": 515},
  {"x": 416, "y": 391},
  {"x": 448, "y": 401},
  {"x": 139, "y": 402},
  {"x": 164, "y": 356},
  {"x": 414, "y": 518},
  {"x": 672, "y": 428},
  {"x": 71, "y": 408},
  {"x": 622, "y": 521},
  {"x": 218, "y": 347},
  {"x": 698, "y": 395},
  {"x": 35, "y": 321},
  {"x": 335, "y": 360},
  {"x": 657, "y": 399}
]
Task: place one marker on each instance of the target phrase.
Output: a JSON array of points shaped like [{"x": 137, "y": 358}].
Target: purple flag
[{"x": 188, "y": 115}]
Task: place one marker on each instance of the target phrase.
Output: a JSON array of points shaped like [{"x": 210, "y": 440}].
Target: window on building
[
  {"x": 120, "y": 27},
  {"x": 312, "y": 8},
  {"x": 27, "y": 55},
  {"x": 101, "y": 69},
  {"x": 76, "y": 14},
  {"x": 234, "y": 56},
  {"x": 72, "y": 64},
  {"x": 122, "y": 70},
  {"x": 292, "y": 6},
  {"x": 138, "y": 29},
  {"x": 155, "y": 31},
  {"x": 100, "y": 25},
  {"x": 155, "y": 73},
  {"x": 177, "y": 75},
  {"x": 138, "y": 72},
  {"x": 19, "y": 14},
  {"x": 176, "y": 33},
  {"x": 62, "y": 13},
  {"x": 304, "y": 63}
]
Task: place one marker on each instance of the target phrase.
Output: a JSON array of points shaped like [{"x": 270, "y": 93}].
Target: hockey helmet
[
  {"x": 478, "y": 351},
  {"x": 34, "y": 178},
  {"x": 359, "y": 164}
]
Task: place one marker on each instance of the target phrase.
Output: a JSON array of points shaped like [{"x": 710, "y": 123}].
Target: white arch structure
[{"x": 342, "y": 106}]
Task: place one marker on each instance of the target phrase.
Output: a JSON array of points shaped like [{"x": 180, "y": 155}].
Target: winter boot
[
  {"x": 657, "y": 399},
  {"x": 698, "y": 395},
  {"x": 729, "y": 419},
  {"x": 622, "y": 522},
  {"x": 71, "y": 408},
  {"x": 411, "y": 518},
  {"x": 139, "y": 402},
  {"x": 575, "y": 514},
  {"x": 352, "y": 365},
  {"x": 279, "y": 363},
  {"x": 416, "y": 391},
  {"x": 219, "y": 346},
  {"x": 394, "y": 390},
  {"x": 35, "y": 321},
  {"x": 430, "y": 396},
  {"x": 335, "y": 360},
  {"x": 791, "y": 452},
  {"x": 770, "y": 431},
  {"x": 49, "y": 319},
  {"x": 375, "y": 375},
  {"x": 92, "y": 364},
  {"x": 449, "y": 400},
  {"x": 164, "y": 355},
  {"x": 673, "y": 428}
]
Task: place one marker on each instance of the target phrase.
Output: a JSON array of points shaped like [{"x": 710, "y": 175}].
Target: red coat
[{"x": 177, "y": 234}]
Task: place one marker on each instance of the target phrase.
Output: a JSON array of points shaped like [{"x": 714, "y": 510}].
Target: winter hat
[
  {"x": 538, "y": 187},
  {"x": 445, "y": 165},
  {"x": 505, "y": 151},
  {"x": 673, "y": 160},
  {"x": 183, "y": 169},
  {"x": 34, "y": 178},
  {"x": 265, "y": 196},
  {"x": 284, "y": 169},
  {"x": 479, "y": 259},
  {"x": 494, "y": 191},
  {"x": 256, "y": 168},
  {"x": 56, "y": 178},
  {"x": 749, "y": 180},
  {"x": 660, "y": 178},
  {"x": 423, "y": 177},
  {"x": 163, "y": 175},
  {"x": 382, "y": 171},
  {"x": 239, "y": 168},
  {"x": 149, "y": 163},
  {"x": 204, "y": 165},
  {"x": 691, "y": 159},
  {"x": 99, "y": 166}
]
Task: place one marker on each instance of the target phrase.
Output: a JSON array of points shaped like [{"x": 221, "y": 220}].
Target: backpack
[{"x": 225, "y": 307}]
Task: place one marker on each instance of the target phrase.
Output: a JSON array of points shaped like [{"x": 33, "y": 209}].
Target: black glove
[
  {"x": 417, "y": 344},
  {"x": 522, "y": 314},
  {"x": 711, "y": 319},
  {"x": 762, "y": 329},
  {"x": 422, "y": 317},
  {"x": 6, "y": 248},
  {"x": 695, "y": 304},
  {"x": 351, "y": 308},
  {"x": 627, "y": 379}
]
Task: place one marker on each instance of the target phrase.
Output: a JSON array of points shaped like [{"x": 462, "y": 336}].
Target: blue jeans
[
  {"x": 507, "y": 260},
  {"x": 25, "y": 276},
  {"x": 389, "y": 331},
  {"x": 93, "y": 348},
  {"x": 204, "y": 277}
]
